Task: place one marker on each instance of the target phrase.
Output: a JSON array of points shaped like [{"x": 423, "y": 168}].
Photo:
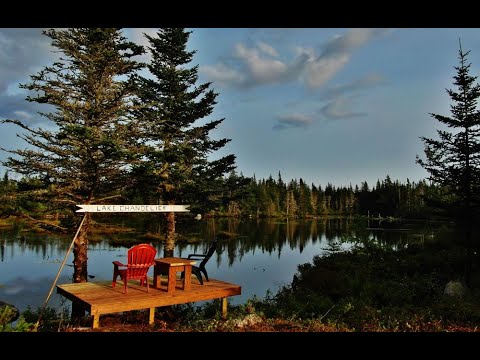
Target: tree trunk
[
  {"x": 169, "y": 245},
  {"x": 80, "y": 257}
]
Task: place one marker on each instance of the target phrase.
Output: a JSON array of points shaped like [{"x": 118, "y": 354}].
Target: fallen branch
[
  {"x": 45, "y": 225},
  {"x": 327, "y": 312}
]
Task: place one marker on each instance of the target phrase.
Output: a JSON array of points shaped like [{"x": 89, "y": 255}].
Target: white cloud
[
  {"x": 222, "y": 73},
  {"x": 306, "y": 52},
  {"x": 318, "y": 72},
  {"x": 254, "y": 66},
  {"x": 267, "y": 49},
  {"x": 260, "y": 69},
  {"x": 336, "y": 54},
  {"x": 137, "y": 35},
  {"x": 259, "y": 65},
  {"x": 23, "y": 115},
  {"x": 351, "y": 40}
]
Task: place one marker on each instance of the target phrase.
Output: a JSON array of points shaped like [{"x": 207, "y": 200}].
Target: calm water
[{"x": 263, "y": 255}]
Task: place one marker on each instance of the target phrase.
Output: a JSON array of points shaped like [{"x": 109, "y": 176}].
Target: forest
[{"x": 277, "y": 198}]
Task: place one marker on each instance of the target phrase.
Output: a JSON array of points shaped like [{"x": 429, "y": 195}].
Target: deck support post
[
  {"x": 96, "y": 321},
  {"x": 151, "y": 316},
  {"x": 224, "y": 308}
]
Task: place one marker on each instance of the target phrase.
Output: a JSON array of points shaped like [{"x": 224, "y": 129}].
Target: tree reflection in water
[{"x": 259, "y": 255}]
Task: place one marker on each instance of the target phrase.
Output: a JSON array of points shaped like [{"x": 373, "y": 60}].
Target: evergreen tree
[
  {"x": 176, "y": 137},
  {"x": 304, "y": 199},
  {"x": 8, "y": 196},
  {"x": 292, "y": 207},
  {"x": 453, "y": 161},
  {"x": 314, "y": 199},
  {"x": 282, "y": 193},
  {"x": 81, "y": 157}
]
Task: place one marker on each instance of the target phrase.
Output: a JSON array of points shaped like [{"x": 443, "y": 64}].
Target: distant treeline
[
  {"x": 387, "y": 198},
  {"x": 276, "y": 198}
]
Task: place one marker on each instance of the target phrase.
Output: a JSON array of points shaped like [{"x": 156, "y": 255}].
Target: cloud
[
  {"x": 16, "y": 107},
  {"x": 340, "y": 108},
  {"x": 261, "y": 65},
  {"x": 252, "y": 66},
  {"x": 336, "y": 54},
  {"x": 260, "y": 69},
  {"x": 352, "y": 39},
  {"x": 23, "y": 115},
  {"x": 340, "y": 99},
  {"x": 368, "y": 81},
  {"x": 319, "y": 71},
  {"x": 295, "y": 120},
  {"x": 223, "y": 74},
  {"x": 249, "y": 67},
  {"x": 22, "y": 53},
  {"x": 267, "y": 49},
  {"x": 137, "y": 35}
]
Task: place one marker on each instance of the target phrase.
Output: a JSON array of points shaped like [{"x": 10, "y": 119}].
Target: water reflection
[{"x": 259, "y": 255}]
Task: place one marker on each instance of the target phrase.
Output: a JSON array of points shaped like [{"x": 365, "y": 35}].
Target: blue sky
[{"x": 337, "y": 106}]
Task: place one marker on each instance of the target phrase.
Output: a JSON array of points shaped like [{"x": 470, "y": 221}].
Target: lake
[{"x": 258, "y": 255}]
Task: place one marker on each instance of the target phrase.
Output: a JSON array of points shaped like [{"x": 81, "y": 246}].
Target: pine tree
[
  {"x": 236, "y": 189},
  {"x": 8, "y": 196},
  {"x": 81, "y": 157},
  {"x": 172, "y": 109},
  {"x": 453, "y": 161},
  {"x": 304, "y": 199},
  {"x": 292, "y": 207}
]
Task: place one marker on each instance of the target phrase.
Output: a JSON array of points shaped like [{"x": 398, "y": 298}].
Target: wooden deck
[{"x": 101, "y": 298}]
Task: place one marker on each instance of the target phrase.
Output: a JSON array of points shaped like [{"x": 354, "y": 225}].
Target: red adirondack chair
[{"x": 140, "y": 258}]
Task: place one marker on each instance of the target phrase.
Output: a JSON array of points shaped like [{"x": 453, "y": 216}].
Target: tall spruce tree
[
  {"x": 453, "y": 161},
  {"x": 81, "y": 157},
  {"x": 176, "y": 168}
]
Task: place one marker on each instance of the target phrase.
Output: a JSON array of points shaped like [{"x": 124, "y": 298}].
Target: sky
[{"x": 339, "y": 106}]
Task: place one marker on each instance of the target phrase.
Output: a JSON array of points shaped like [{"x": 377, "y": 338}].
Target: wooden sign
[{"x": 132, "y": 208}]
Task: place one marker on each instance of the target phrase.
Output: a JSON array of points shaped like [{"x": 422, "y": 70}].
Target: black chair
[{"x": 198, "y": 270}]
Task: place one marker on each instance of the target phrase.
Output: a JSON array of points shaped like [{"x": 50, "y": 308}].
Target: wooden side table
[{"x": 170, "y": 266}]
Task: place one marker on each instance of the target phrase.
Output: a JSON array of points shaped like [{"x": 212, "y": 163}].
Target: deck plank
[{"x": 100, "y": 298}]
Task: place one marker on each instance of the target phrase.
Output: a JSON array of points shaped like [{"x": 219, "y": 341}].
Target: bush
[
  {"x": 51, "y": 320},
  {"x": 7, "y": 314},
  {"x": 377, "y": 288}
]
